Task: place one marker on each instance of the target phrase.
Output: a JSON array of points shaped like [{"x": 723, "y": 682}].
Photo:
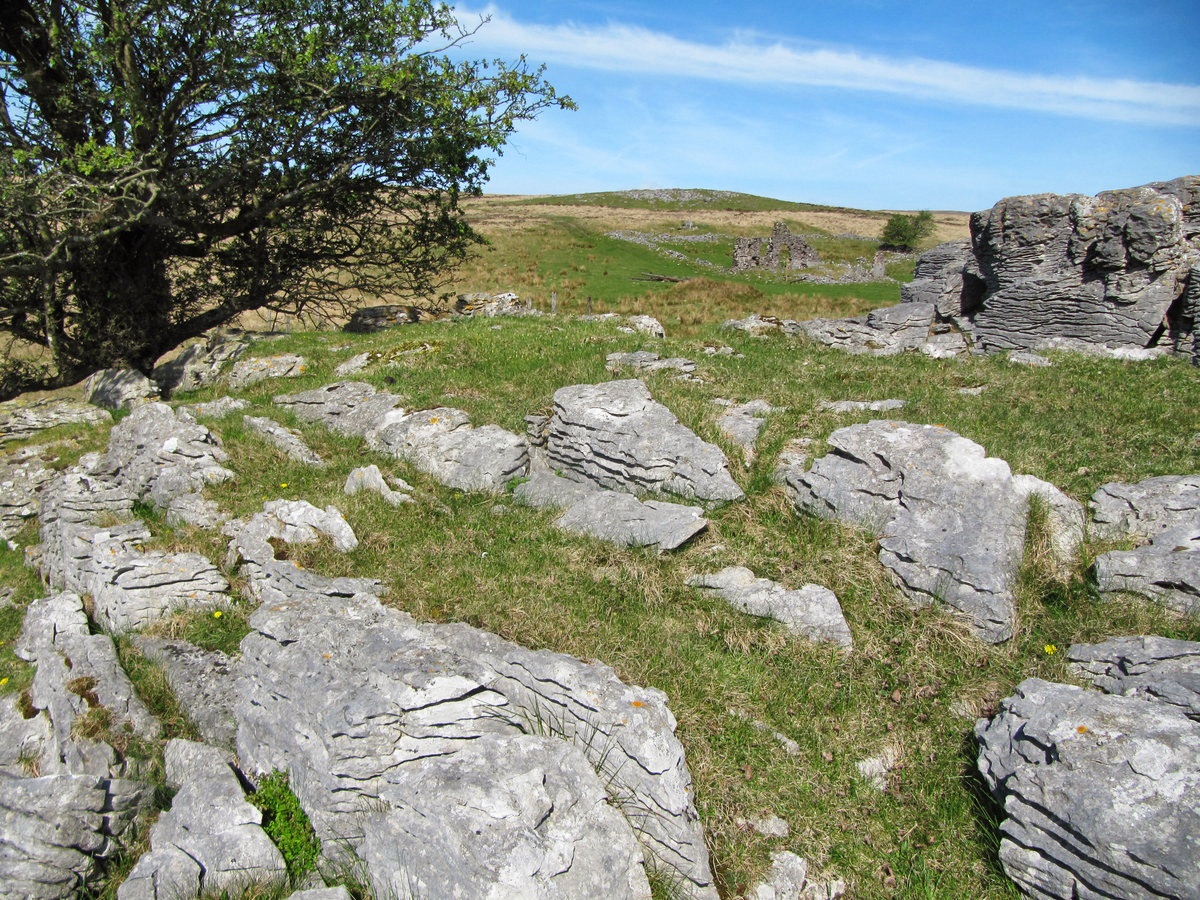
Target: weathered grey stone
[
  {"x": 1099, "y": 793},
  {"x": 623, "y": 519},
  {"x": 1167, "y": 569},
  {"x": 210, "y": 825},
  {"x": 23, "y": 474},
  {"x": 1145, "y": 509},
  {"x": 443, "y": 444},
  {"x": 888, "y": 331},
  {"x": 616, "y": 435},
  {"x": 141, "y": 588},
  {"x": 455, "y": 725},
  {"x": 214, "y": 409},
  {"x": 643, "y": 361},
  {"x": 192, "y": 509},
  {"x": 23, "y": 742},
  {"x": 160, "y": 454},
  {"x": 757, "y": 325},
  {"x": 326, "y": 893},
  {"x": 56, "y": 827},
  {"x": 1100, "y": 269},
  {"x": 377, "y": 318},
  {"x": 73, "y": 548},
  {"x": 347, "y": 407},
  {"x": 199, "y": 365},
  {"x": 490, "y": 306},
  {"x": 246, "y": 372},
  {"x": 203, "y": 684},
  {"x": 1026, "y": 358},
  {"x": 951, "y": 520},
  {"x": 286, "y": 439},
  {"x": 118, "y": 388},
  {"x": 743, "y": 422},
  {"x": 781, "y": 251},
  {"x": 273, "y": 580},
  {"x": 543, "y": 488},
  {"x": 22, "y": 418},
  {"x": 1149, "y": 667},
  {"x": 645, "y": 325},
  {"x": 369, "y": 478},
  {"x": 353, "y": 365},
  {"x": 811, "y": 612},
  {"x": 947, "y": 277},
  {"x": 848, "y": 406}
]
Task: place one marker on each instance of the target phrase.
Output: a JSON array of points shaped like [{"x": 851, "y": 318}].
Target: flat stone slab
[
  {"x": 1146, "y": 508},
  {"x": 1099, "y": 793},
  {"x": 811, "y": 612},
  {"x": 246, "y": 372},
  {"x": 452, "y": 758},
  {"x": 22, "y": 418},
  {"x": 203, "y": 684},
  {"x": 643, "y": 362},
  {"x": 616, "y": 435},
  {"x": 140, "y": 588},
  {"x": 1152, "y": 668},
  {"x": 622, "y": 519}
]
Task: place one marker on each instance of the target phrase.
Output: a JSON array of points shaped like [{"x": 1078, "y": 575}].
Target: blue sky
[{"x": 863, "y": 103}]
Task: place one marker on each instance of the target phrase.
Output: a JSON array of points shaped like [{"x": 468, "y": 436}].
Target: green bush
[
  {"x": 286, "y": 823},
  {"x": 906, "y": 232}
]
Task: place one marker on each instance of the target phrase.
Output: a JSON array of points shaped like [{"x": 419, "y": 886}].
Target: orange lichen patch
[
  {"x": 1082, "y": 729},
  {"x": 637, "y": 703}
]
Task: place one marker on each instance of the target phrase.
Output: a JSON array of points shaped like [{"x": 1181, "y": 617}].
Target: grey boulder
[
  {"x": 617, "y": 436},
  {"x": 811, "y": 612},
  {"x": 286, "y": 440},
  {"x": 1099, "y": 793},
  {"x": 624, "y": 520},
  {"x": 118, "y": 388},
  {"x": 203, "y": 684},
  {"x": 951, "y": 521}
]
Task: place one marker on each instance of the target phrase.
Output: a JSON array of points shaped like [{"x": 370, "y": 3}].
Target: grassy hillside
[{"x": 772, "y": 726}]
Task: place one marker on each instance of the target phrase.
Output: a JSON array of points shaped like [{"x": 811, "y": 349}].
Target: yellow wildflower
[
  {"x": 1050, "y": 649},
  {"x": 216, "y": 614}
]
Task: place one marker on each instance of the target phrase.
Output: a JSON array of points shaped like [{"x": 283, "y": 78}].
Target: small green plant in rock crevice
[{"x": 286, "y": 823}]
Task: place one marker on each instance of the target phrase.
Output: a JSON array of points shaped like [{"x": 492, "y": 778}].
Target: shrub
[{"x": 906, "y": 232}]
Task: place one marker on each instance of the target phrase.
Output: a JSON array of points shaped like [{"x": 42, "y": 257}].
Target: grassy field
[{"x": 743, "y": 692}]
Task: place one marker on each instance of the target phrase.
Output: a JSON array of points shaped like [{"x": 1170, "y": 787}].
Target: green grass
[{"x": 916, "y": 680}]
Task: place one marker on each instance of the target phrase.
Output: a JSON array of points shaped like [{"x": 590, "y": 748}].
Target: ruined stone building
[{"x": 782, "y": 250}]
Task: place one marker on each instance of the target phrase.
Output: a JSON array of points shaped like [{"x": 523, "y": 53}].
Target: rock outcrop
[
  {"x": 454, "y": 762},
  {"x": 1098, "y": 791},
  {"x": 1146, "y": 666},
  {"x": 23, "y": 418},
  {"x": 951, "y": 520},
  {"x": 616, "y": 435},
  {"x": 1163, "y": 513}
]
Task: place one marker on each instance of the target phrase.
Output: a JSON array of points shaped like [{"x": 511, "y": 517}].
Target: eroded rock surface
[
  {"x": 951, "y": 520},
  {"x": 1164, "y": 513},
  {"x": 1099, "y": 793},
  {"x": 210, "y": 840},
  {"x": 118, "y": 388},
  {"x": 1146, "y": 666},
  {"x": 402, "y": 725},
  {"x": 22, "y": 418},
  {"x": 811, "y": 612},
  {"x": 200, "y": 365},
  {"x": 202, "y": 681},
  {"x": 616, "y": 435},
  {"x": 287, "y": 440},
  {"x": 246, "y": 372}
]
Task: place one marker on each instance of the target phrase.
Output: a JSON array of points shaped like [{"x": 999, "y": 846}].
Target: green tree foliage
[
  {"x": 906, "y": 232},
  {"x": 166, "y": 165}
]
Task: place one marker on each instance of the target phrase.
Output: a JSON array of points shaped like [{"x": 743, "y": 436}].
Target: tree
[
  {"x": 168, "y": 164},
  {"x": 906, "y": 232}
]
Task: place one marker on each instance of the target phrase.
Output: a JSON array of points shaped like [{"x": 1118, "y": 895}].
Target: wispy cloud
[{"x": 756, "y": 61}]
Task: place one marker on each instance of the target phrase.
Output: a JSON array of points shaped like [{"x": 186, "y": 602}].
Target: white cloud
[{"x": 747, "y": 60}]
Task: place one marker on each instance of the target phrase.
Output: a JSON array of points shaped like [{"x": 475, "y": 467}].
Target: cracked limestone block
[
  {"x": 951, "y": 521},
  {"x": 1145, "y": 508},
  {"x": 483, "y": 753},
  {"x": 625, "y": 520},
  {"x": 210, "y": 840},
  {"x": 57, "y": 826},
  {"x": 118, "y": 388},
  {"x": 1146, "y": 666},
  {"x": 443, "y": 444},
  {"x": 287, "y": 440},
  {"x": 246, "y": 372},
  {"x": 1099, "y": 793},
  {"x": 24, "y": 417},
  {"x": 616, "y": 435},
  {"x": 811, "y": 612},
  {"x": 161, "y": 454},
  {"x": 203, "y": 684},
  {"x": 347, "y": 407},
  {"x": 141, "y": 588},
  {"x": 23, "y": 474},
  {"x": 199, "y": 365},
  {"x": 214, "y": 409},
  {"x": 369, "y": 478},
  {"x": 1167, "y": 570},
  {"x": 643, "y": 361}
]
